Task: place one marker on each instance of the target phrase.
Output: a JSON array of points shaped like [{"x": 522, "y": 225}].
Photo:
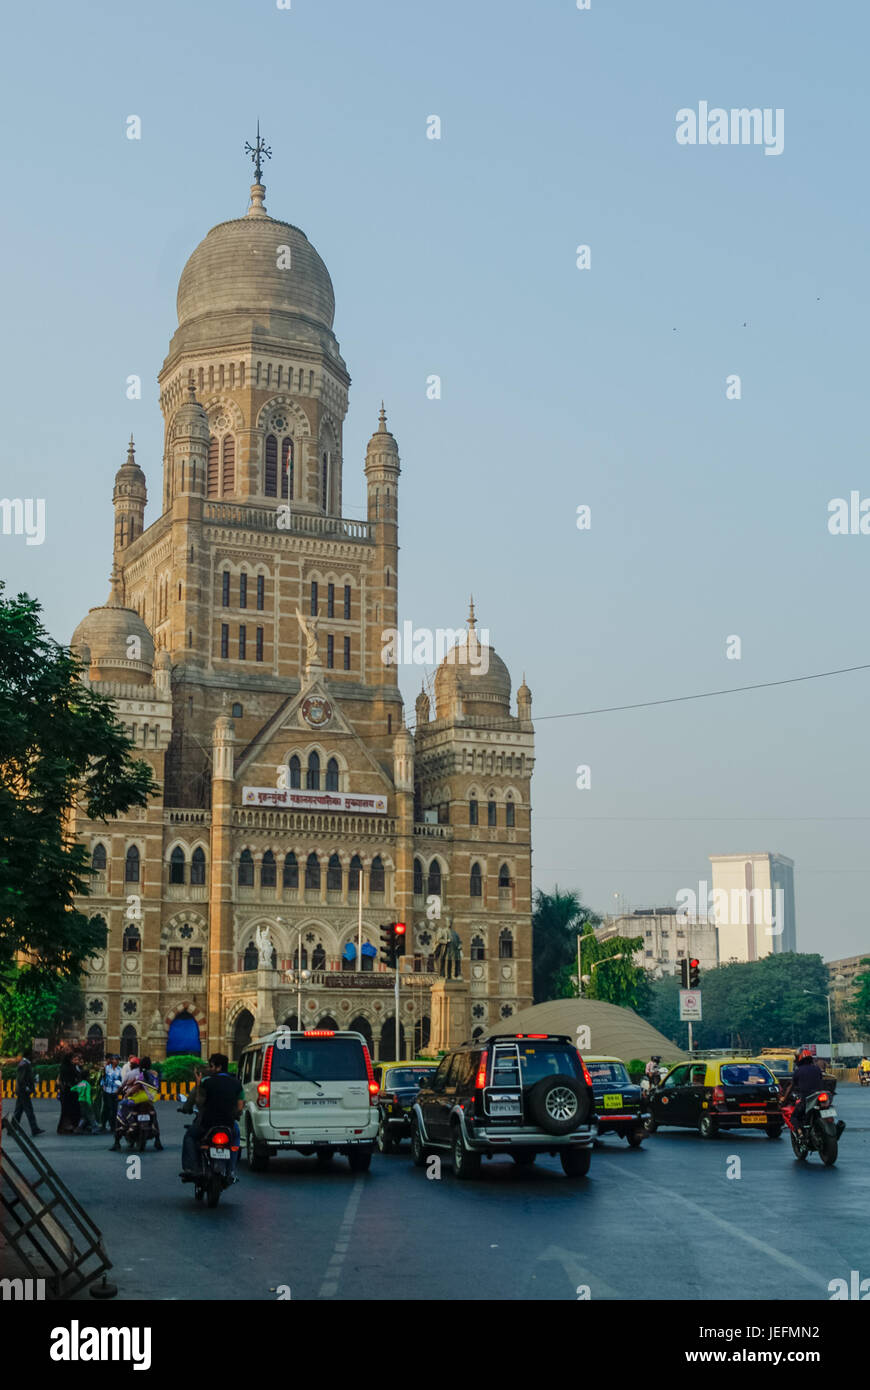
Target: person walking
[
  {"x": 25, "y": 1086},
  {"x": 82, "y": 1088},
  {"x": 70, "y": 1113},
  {"x": 110, "y": 1085}
]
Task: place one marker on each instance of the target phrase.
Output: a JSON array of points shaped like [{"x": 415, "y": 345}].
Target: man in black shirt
[
  {"x": 25, "y": 1085},
  {"x": 806, "y": 1079},
  {"x": 220, "y": 1099}
]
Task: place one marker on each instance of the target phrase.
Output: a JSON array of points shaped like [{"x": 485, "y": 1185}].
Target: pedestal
[
  {"x": 268, "y": 982},
  {"x": 451, "y": 1024}
]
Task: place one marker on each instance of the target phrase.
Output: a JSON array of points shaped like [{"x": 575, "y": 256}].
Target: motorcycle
[
  {"x": 137, "y": 1124},
  {"x": 818, "y": 1129},
  {"x": 216, "y": 1149},
  {"x": 864, "y": 1078}
]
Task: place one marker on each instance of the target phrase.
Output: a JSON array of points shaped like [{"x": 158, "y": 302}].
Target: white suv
[{"x": 314, "y": 1092}]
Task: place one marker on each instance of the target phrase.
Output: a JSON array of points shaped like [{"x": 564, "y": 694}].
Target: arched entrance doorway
[
  {"x": 183, "y": 1035},
  {"x": 129, "y": 1041},
  {"x": 291, "y": 1021},
  {"x": 362, "y": 1025},
  {"x": 388, "y": 1042},
  {"x": 327, "y": 1022},
  {"x": 242, "y": 1030},
  {"x": 96, "y": 1041}
]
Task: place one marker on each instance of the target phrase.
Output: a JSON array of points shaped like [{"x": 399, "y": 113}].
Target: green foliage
[
  {"x": 180, "y": 1067},
  {"x": 35, "y": 1005},
  {"x": 557, "y": 920},
  {"x": 618, "y": 982},
  {"x": 61, "y": 745},
  {"x": 859, "y": 1008},
  {"x": 749, "y": 1004}
]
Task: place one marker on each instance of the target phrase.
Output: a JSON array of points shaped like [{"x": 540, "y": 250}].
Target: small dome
[
  {"x": 107, "y": 632},
  {"x": 482, "y": 684},
  {"x": 382, "y": 442},
  {"x": 190, "y": 420},
  {"x": 129, "y": 479}
]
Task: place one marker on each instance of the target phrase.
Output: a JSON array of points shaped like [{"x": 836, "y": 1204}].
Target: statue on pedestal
[
  {"x": 264, "y": 947},
  {"x": 448, "y": 950}
]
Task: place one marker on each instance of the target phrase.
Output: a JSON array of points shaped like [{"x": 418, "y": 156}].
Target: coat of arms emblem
[{"x": 316, "y": 711}]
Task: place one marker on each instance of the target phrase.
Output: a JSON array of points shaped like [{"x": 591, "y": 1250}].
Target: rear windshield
[
  {"x": 408, "y": 1076},
  {"x": 779, "y": 1067},
  {"x": 537, "y": 1060},
  {"x": 611, "y": 1073},
  {"x": 319, "y": 1059},
  {"x": 746, "y": 1074}
]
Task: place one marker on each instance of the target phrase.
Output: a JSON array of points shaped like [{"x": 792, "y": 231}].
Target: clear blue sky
[{"x": 560, "y": 387}]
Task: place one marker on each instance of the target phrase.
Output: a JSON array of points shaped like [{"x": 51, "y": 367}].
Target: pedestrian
[
  {"x": 25, "y": 1086},
  {"x": 82, "y": 1088},
  {"x": 110, "y": 1085},
  {"x": 70, "y": 1113}
]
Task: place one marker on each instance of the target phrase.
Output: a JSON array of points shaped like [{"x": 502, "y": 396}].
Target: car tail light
[
  {"x": 480, "y": 1079},
  {"x": 824, "y": 1098},
  {"x": 220, "y": 1138},
  {"x": 587, "y": 1078},
  {"x": 264, "y": 1088},
  {"x": 374, "y": 1088},
  {"x": 532, "y": 1035},
  {"x": 718, "y": 1095},
  {"x": 320, "y": 1033}
]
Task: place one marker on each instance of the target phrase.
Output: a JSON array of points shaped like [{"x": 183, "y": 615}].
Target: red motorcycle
[{"x": 817, "y": 1129}]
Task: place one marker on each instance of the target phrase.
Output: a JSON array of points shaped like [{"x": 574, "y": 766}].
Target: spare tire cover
[{"x": 559, "y": 1104}]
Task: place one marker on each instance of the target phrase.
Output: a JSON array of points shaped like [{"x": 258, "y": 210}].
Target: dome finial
[
  {"x": 258, "y": 152},
  {"x": 131, "y": 451},
  {"x": 382, "y": 420},
  {"x": 471, "y": 620},
  {"x": 116, "y": 592}
]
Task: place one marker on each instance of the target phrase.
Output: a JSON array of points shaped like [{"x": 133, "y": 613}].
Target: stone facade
[{"x": 242, "y": 645}]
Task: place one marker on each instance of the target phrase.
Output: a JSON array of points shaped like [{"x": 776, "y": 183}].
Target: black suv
[{"x": 518, "y": 1093}]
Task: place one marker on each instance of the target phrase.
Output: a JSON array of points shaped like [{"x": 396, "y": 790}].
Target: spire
[
  {"x": 116, "y": 593},
  {"x": 258, "y": 152},
  {"x": 131, "y": 451},
  {"x": 382, "y": 420},
  {"x": 471, "y": 620}
]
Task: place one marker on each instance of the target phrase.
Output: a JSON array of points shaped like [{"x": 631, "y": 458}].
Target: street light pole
[{"x": 827, "y": 998}]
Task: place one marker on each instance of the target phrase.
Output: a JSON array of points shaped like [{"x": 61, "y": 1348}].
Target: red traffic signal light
[
  {"x": 399, "y": 932},
  {"x": 694, "y": 973}
]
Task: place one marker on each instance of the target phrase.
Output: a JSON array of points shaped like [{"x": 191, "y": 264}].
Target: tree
[
  {"x": 34, "y": 1005},
  {"x": 557, "y": 920},
  {"x": 61, "y": 746},
  {"x": 620, "y": 982},
  {"x": 859, "y": 1007}
]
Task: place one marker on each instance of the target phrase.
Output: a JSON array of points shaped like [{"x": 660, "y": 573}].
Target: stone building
[
  {"x": 668, "y": 938},
  {"x": 242, "y": 646}
]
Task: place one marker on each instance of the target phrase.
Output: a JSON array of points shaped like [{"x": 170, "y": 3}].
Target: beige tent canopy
[{"x": 613, "y": 1031}]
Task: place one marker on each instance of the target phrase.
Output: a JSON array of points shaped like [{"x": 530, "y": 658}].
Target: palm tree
[{"x": 557, "y": 920}]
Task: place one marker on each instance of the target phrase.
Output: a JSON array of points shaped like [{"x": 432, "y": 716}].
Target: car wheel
[
  {"x": 465, "y": 1164},
  {"x": 360, "y": 1160},
  {"x": 385, "y": 1138},
  {"x": 636, "y": 1139},
  {"x": 649, "y": 1124},
  {"x": 774, "y": 1131},
  {"x": 707, "y": 1127},
  {"x": 257, "y": 1159},
  {"x": 418, "y": 1149},
  {"x": 523, "y": 1158},
  {"x": 575, "y": 1162}
]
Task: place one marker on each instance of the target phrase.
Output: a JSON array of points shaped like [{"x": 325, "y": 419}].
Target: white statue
[
  {"x": 264, "y": 946},
  {"x": 309, "y": 630}
]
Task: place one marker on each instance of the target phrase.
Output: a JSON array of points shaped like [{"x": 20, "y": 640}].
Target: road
[{"x": 663, "y": 1221}]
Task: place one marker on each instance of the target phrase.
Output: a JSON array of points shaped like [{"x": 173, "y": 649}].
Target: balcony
[
  {"x": 300, "y": 523},
  {"x": 428, "y": 831}
]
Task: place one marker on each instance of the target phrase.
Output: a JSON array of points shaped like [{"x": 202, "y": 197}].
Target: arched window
[
  {"x": 291, "y": 871},
  {"x": 333, "y": 874},
  {"x": 434, "y": 884},
  {"x": 505, "y": 945},
  {"x": 213, "y": 475},
  {"x": 176, "y": 865},
  {"x": 353, "y": 874},
  {"x": 476, "y": 882},
  {"x": 132, "y": 941},
  {"x": 99, "y": 859},
  {"x": 228, "y": 471},
  {"x": 312, "y": 871},
  {"x": 129, "y": 1042},
  {"x": 324, "y": 482},
  {"x": 295, "y": 772},
  {"x": 418, "y": 879},
  {"x": 246, "y": 869},
  {"x": 252, "y": 957},
  {"x": 296, "y": 965},
  {"x": 287, "y": 468},
  {"x": 318, "y": 958},
  {"x": 312, "y": 777},
  {"x": 491, "y": 818},
  {"x": 472, "y": 812},
  {"x": 478, "y": 948},
  {"x": 270, "y": 472},
  {"x": 504, "y": 877},
  {"x": 131, "y": 865},
  {"x": 510, "y": 814},
  {"x": 376, "y": 875},
  {"x": 197, "y": 866},
  {"x": 268, "y": 870},
  {"x": 95, "y": 1039},
  {"x": 332, "y": 775}
]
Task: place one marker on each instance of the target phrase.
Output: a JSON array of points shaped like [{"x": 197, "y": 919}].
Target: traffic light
[
  {"x": 684, "y": 974},
  {"x": 393, "y": 937},
  {"x": 694, "y": 973}
]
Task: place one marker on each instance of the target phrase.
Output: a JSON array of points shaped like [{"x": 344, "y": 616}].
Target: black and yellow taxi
[
  {"x": 728, "y": 1093},
  {"x": 780, "y": 1064},
  {"x": 617, "y": 1100},
  {"x": 399, "y": 1083}
]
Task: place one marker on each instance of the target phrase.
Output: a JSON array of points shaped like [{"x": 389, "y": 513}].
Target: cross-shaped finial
[{"x": 258, "y": 153}]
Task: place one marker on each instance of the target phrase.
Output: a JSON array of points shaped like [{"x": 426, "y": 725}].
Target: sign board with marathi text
[{"x": 285, "y": 798}]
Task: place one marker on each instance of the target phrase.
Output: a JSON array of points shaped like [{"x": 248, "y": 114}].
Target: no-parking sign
[{"x": 690, "y": 1006}]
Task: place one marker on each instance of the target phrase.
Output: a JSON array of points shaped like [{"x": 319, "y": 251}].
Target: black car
[
  {"x": 521, "y": 1094},
  {"x": 617, "y": 1100},
  {"x": 399, "y": 1083}
]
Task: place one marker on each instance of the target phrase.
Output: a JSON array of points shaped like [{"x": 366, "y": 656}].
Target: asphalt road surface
[{"x": 663, "y": 1221}]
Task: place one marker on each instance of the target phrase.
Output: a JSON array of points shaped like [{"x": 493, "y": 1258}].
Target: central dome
[{"x": 255, "y": 277}]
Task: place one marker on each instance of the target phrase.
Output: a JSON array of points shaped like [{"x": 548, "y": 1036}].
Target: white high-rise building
[{"x": 752, "y": 903}]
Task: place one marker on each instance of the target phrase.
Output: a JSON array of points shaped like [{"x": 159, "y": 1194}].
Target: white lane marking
[
  {"x": 329, "y": 1287},
  {"x": 778, "y": 1255},
  {"x": 577, "y": 1273}
]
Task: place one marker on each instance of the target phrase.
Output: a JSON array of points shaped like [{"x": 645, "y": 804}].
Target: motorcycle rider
[
  {"x": 652, "y": 1071},
  {"x": 220, "y": 1099},
  {"x": 865, "y": 1068},
  {"x": 136, "y": 1091},
  {"x": 806, "y": 1079}
]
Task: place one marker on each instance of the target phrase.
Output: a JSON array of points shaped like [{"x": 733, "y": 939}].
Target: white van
[{"x": 314, "y": 1092}]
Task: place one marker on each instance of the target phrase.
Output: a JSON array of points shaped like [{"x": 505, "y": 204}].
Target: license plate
[
  {"x": 612, "y": 1102},
  {"x": 318, "y": 1102},
  {"x": 504, "y": 1107},
  {"x": 219, "y": 1153},
  {"x": 753, "y": 1119},
  {"x": 143, "y": 1117},
  {"x": 827, "y": 1114}
]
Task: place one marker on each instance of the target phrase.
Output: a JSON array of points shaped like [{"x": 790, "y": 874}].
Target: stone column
[
  {"x": 221, "y": 955},
  {"x": 450, "y": 1015}
]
